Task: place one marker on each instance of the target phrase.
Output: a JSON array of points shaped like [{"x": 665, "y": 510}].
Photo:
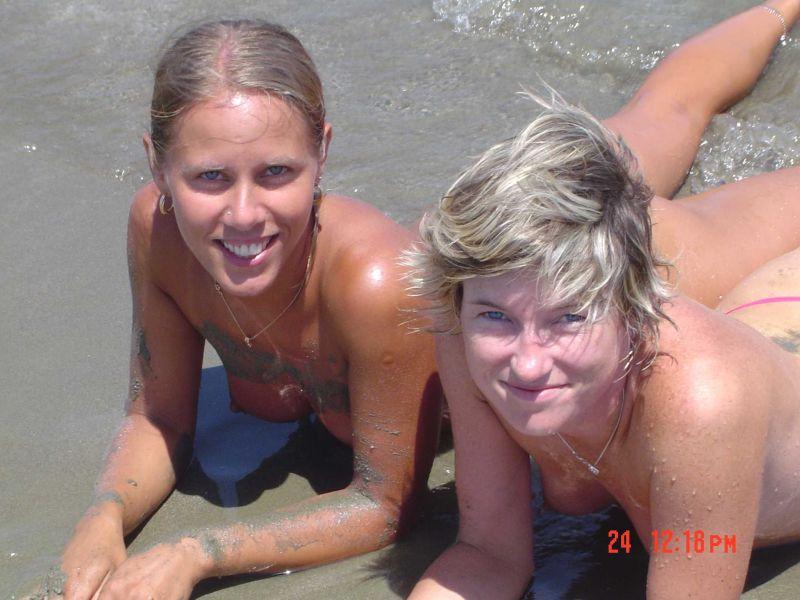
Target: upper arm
[
  {"x": 166, "y": 351},
  {"x": 394, "y": 391},
  {"x": 493, "y": 478},
  {"x": 706, "y": 487}
]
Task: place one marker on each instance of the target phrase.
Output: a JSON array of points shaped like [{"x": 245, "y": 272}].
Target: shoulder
[
  {"x": 710, "y": 380},
  {"x": 154, "y": 242},
  {"x": 361, "y": 249}
]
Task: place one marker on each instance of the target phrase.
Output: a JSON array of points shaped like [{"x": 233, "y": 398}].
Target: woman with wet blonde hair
[
  {"x": 234, "y": 243},
  {"x": 562, "y": 337}
]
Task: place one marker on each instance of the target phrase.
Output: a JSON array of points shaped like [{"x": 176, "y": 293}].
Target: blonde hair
[
  {"x": 249, "y": 55},
  {"x": 563, "y": 200}
]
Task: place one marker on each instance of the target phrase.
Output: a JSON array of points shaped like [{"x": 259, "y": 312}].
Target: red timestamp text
[
  {"x": 667, "y": 541},
  {"x": 691, "y": 541}
]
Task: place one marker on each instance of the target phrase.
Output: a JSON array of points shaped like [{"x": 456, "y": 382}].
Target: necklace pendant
[
  {"x": 248, "y": 341},
  {"x": 593, "y": 470}
]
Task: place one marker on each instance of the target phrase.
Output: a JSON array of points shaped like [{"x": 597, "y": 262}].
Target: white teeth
[{"x": 245, "y": 250}]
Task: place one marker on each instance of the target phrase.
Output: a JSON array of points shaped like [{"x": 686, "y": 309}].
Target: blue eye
[
  {"x": 276, "y": 170},
  {"x": 493, "y": 315},
  {"x": 573, "y": 318},
  {"x": 211, "y": 175}
]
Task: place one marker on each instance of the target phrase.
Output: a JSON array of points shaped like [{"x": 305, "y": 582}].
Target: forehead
[
  {"x": 506, "y": 289},
  {"x": 241, "y": 118}
]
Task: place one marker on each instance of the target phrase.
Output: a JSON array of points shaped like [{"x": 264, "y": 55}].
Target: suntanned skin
[
  {"x": 663, "y": 124},
  {"x": 710, "y": 434},
  {"x": 341, "y": 351}
]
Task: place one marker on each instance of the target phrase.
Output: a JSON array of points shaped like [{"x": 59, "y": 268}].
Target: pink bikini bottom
[{"x": 764, "y": 301}]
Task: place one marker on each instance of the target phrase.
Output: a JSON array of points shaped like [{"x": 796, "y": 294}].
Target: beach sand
[{"x": 411, "y": 100}]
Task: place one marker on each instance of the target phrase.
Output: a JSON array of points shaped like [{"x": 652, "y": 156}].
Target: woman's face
[
  {"x": 241, "y": 170},
  {"x": 542, "y": 369}
]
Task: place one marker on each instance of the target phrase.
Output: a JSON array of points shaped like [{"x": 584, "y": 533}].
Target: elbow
[{"x": 389, "y": 516}]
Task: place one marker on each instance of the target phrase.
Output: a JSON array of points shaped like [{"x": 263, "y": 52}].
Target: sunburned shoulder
[
  {"x": 361, "y": 228},
  {"x": 362, "y": 249}
]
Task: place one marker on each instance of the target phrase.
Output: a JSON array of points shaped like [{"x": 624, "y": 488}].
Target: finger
[
  {"x": 96, "y": 595},
  {"x": 84, "y": 584}
]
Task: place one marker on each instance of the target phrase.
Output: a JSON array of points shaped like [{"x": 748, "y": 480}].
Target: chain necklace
[
  {"x": 593, "y": 466},
  {"x": 248, "y": 339}
]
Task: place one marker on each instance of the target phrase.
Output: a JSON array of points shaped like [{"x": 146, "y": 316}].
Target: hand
[
  {"x": 167, "y": 572},
  {"x": 95, "y": 550}
]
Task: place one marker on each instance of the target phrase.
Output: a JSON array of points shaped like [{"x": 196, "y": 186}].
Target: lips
[{"x": 533, "y": 391}]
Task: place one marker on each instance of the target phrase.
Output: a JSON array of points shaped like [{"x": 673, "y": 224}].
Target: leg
[
  {"x": 664, "y": 120},
  {"x": 719, "y": 237}
]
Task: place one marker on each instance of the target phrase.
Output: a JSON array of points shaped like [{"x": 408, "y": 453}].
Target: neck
[
  {"x": 253, "y": 312},
  {"x": 592, "y": 443}
]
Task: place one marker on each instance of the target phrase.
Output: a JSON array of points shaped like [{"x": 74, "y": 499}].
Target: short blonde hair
[{"x": 563, "y": 200}]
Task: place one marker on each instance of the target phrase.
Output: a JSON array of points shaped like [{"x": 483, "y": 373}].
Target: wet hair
[
  {"x": 563, "y": 201},
  {"x": 234, "y": 55}
]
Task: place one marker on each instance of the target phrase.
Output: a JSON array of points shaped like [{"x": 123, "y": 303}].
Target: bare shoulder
[
  {"x": 152, "y": 237},
  {"x": 711, "y": 378},
  {"x": 360, "y": 248}
]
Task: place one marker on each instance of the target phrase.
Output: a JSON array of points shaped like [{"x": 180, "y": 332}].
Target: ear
[{"x": 155, "y": 170}]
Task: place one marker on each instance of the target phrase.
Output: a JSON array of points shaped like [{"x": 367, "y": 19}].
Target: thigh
[{"x": 719, "y": 237}]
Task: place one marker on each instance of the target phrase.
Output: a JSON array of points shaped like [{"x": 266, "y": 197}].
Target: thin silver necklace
[
  {"x": 248, "y": 339},
  {"x": 593, "y": 466}
]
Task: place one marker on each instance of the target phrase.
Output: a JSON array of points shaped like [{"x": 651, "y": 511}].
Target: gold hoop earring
[{"x": 162, "y": 204}]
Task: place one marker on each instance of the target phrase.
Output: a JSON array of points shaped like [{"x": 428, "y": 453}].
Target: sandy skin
[
  {"x": 709, "y": 435},
  {"x": 240, "y": 176}
]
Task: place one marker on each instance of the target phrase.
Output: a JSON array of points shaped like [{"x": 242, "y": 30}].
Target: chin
[{"x": 528, "y": 423}]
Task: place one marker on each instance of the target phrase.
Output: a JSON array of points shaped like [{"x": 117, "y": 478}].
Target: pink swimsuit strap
[{"x": 764, "y": 301}]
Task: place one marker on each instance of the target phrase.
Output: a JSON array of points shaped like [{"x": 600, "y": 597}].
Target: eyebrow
[
  {"x": 209, "y": 166},
  {"x": 484, "y": 302}
]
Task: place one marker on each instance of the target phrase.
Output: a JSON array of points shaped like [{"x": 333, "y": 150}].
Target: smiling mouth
[
  {"x": 250, "y": 250},
  {"x": 534, "y": 390}
]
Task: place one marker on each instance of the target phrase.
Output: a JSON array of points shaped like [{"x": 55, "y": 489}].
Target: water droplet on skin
[
  {"x": 694, "y": 493},
  {"x": 689, "y": 556},
  {"x": 719, "y": 494},
  {"x": 708, "y": 508},
  {"x": 776, "y": 490},
  {"x": 673, "y": 479}
]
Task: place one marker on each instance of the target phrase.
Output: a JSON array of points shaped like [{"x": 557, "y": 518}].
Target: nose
[
  {"x": 531, "y": 361},
  {"x": 244, "y": 211}
]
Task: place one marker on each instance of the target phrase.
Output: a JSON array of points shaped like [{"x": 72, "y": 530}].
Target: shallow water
[{"x": 415, "y": 88}]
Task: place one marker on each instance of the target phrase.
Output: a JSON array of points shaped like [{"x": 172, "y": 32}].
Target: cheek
[
  {"x": 194, "y": 219},
  {"x": 484, "y": 355}
]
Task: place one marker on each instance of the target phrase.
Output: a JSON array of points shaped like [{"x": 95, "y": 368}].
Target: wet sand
[{"x": 410, "y": 100}]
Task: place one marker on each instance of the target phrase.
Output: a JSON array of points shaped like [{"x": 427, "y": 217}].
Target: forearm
[
  {"x": 464, "y": 571},
  {"x": 140, "y": 471},
  {"x": 719, "y": 66},
  {"x": 319, "y": 530}
]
